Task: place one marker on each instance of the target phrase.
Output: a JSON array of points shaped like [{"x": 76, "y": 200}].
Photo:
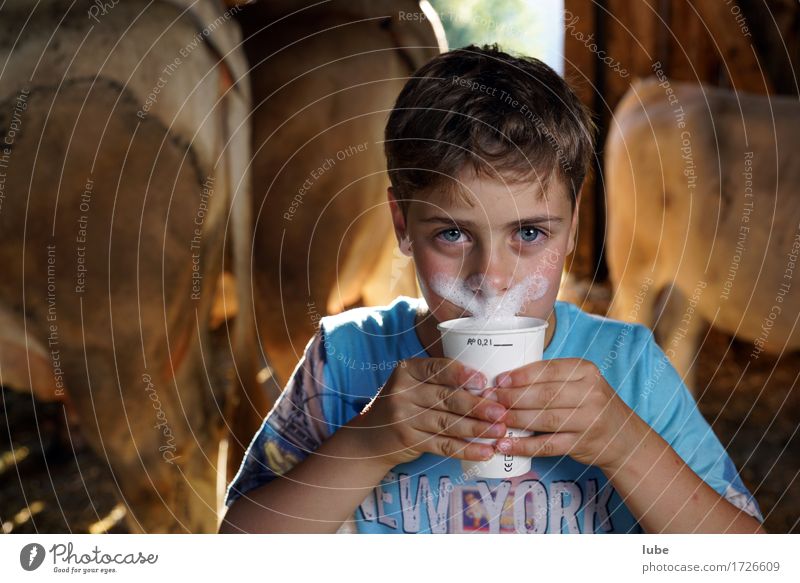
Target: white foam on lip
[{"x": 482, "y": 301}]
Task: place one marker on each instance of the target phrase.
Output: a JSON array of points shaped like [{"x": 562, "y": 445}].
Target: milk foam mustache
[{"x": 478, "y": 298}]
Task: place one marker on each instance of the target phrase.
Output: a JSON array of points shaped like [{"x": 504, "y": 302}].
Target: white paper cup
[{"x": 492, "y": 348}]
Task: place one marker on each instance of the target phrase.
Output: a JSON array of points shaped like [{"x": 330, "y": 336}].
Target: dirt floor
[{"x": 47, "y": 487}]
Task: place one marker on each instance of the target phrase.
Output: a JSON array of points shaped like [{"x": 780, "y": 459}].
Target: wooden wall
[{"x": 742, "y": 45}]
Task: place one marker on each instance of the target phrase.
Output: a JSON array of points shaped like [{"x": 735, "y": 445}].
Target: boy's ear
[
  {"x": 573, "y": 228},
  {"x": 399, "y": 223}
]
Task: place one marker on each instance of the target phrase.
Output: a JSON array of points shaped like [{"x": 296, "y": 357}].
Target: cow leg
[
  {"x": 677, "y": 331},
  {"x": 634, "y": 299}
]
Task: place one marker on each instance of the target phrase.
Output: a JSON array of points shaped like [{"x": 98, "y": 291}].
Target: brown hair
[{"x": 481, "y": 108}]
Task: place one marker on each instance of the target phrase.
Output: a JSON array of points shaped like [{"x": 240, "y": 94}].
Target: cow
[
  {"x": 703, "y": 221},
  {"x": 124, "y": 144},
  {"x": 324, "y": 77}
]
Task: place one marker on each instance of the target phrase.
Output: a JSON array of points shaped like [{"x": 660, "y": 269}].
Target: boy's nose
[{"x": 491, "y": 277}]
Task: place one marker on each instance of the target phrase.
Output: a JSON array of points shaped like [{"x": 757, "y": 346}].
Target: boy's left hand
[{"x": 573, "y": 411}]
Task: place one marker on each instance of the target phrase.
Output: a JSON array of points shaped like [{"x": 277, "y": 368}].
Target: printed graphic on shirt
[
  {"x": 525, "y": 505},
  {"x": 294, "y": 428},
  {"x": 298, "y": 412}
]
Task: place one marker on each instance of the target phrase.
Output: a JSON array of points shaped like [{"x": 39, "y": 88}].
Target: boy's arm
[
  {"x": 315, "y": 496},
  {"x": 424, "y": 407},
  {"x": 575, "y": 412},
  {"x": 666, "y": 496}
]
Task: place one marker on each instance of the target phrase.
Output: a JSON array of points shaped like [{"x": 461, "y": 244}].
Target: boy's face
[{"x": 511, "y": 241}]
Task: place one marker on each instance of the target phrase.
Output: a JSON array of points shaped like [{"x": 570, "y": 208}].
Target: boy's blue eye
[
  {"x": 530, "y": 234},
  {"x": 451, "y": 235}
]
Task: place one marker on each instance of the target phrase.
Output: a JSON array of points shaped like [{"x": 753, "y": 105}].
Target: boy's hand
[
  {"x": 573, "y": 409},
  {"x": 425, "y": 407}
]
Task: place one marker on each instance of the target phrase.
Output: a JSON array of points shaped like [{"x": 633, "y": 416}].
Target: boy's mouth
[{"x": 485, "y": 303}]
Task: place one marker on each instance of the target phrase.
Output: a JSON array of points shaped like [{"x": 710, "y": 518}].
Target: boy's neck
[{"x": 431, "y": 340}]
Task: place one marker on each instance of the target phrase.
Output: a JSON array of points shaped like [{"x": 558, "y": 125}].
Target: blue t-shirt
[{"x": 354, "y": 353}]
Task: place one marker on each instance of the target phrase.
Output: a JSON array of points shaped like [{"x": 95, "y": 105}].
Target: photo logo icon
[{"x": 31, "y": 556}]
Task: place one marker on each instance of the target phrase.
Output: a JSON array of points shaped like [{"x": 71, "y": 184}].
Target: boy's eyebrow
[{"x": 522, "y": 221}]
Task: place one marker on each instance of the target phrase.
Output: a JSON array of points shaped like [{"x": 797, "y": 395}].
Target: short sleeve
[
  {"x": 294, "y": 428},
  {"x": 673, "y": 413}
]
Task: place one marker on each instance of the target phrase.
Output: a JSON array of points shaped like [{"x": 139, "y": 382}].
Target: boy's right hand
[{"x": 426, "y": 406}]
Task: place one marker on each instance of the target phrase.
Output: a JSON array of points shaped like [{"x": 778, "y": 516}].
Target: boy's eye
[
  {"x": 451, "y": 235},
  {"x": 530, "y": 234}
]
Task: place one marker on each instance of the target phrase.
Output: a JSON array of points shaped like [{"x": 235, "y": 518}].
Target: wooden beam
[
  {"x": 733, "y": 40},
  {"x": 580, "y": 70}
]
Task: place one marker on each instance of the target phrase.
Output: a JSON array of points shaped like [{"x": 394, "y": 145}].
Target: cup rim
[{"x": 450, "y": 327}]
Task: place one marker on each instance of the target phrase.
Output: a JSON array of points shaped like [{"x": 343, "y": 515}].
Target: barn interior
[{"x": 262, "y": 309}]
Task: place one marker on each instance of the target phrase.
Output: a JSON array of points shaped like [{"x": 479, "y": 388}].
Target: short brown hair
[{"x": 482, "y": 108}]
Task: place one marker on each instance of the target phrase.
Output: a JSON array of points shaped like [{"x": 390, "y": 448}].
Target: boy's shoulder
[
  {"x": 362, "y": 346},
  {"x": 388, "y": 319},
  {"x": 590, "y": 329}
]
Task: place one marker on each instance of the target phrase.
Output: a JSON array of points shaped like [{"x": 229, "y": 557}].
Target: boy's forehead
[{"x": 490, "y": 196}]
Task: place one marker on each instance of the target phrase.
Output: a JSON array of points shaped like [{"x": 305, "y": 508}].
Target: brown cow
[
  {"x": 123, "y": 150},
  {"x": 324, "y": 78},
  {"x": 703, "y": 221}
]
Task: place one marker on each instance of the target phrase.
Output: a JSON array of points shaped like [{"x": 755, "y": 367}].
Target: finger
[
  {"x": 445, "y": 371},
  {"x": 444, "y": 423},
  {"x": 547, "y": 420},
  {"x": 457, "y": 448},
  {"x": 557, "y": 369},
  {"x": 544, "y": 445},
  {"x": 541, "y": 395},
  {"x": 489, "y": 394},
  {"x": 459, "y": 401}
]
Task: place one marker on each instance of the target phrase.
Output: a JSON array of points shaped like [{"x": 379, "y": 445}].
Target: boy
[{"x": 486, "y": 156}]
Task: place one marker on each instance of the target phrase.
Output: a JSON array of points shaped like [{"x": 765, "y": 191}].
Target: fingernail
[
  {"x": 476, "y": 381},
  {"x": 503, "y": 380},
  {"x": 495, "y": 413},
  {"x": 503, "y": 445},
  {"x": 497, "y": 430},
  {"x": 487, "y": 452}
]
